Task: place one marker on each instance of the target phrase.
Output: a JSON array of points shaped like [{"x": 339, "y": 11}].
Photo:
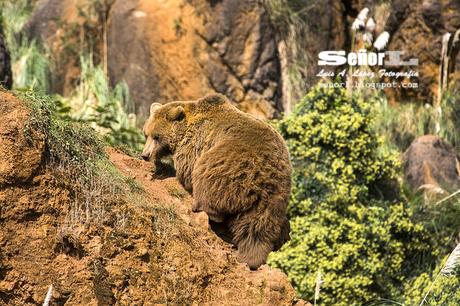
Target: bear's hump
[{"x": 213, "y": 99}]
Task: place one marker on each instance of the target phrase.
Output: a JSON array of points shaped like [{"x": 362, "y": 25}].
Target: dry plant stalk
[
  {"x": 449, "y": 52},
  {"x": 319, "y": 281},
  {"x": 49, "y": 294},
  {"x": 453, "y": 261}
]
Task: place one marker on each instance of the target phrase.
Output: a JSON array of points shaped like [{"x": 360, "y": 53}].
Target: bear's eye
[{"x": 156, "y": 137}]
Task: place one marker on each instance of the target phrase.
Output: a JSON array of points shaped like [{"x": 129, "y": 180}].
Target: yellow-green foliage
[
  {"x": 341, "y": 223},
  {"x": 443, "y": 224},
  {"x": 444, "y": 291}
]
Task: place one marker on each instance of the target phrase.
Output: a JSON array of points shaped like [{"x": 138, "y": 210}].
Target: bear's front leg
[
  {"x": 163, "y": 170},
  {"x": 212, "y": 214}
]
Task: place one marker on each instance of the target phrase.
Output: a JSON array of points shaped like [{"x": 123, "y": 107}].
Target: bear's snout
[{"x": 145, "y": 156}]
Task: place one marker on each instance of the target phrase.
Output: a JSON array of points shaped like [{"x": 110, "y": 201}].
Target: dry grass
[
  {"x": 452, "y": 263},
  {"x": 319, "y": 281},
  {"x": 289, "y": 19},
  {"x": 449, "y": 268}
]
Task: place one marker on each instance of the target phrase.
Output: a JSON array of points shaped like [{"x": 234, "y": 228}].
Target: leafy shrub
[
  {"x": 400, "y": 124},
  {"x": 30, "y": 64},
  {"x": 438, "y": 289},
  {"x": 108, "y": 110},
  {"x": 342, "y": 223}
]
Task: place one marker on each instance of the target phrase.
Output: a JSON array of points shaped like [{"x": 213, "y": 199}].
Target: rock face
[
  {"x": 431, "y": 164},
  {"x": 416, "y": 27},
  {"x": 135, "y": 251},
  {"x": 179, "y": 50},
  {"x": 241, "y": 56}
]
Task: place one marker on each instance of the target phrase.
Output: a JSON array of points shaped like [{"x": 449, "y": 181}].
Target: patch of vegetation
[
  {"x": 108, "y": 109},
  {"x": 291, "y": 20},
  {"x": 438, "y": 289},
  {"x": 76, "y": 155},
  {"x": 30, "y": 64},
  {"x": 442, "y": 222},
  {"x": 133, "y": 185},
  {"x": 178, "y": 192},
  {"x": 449, "y": 113},
  {"x": 400, "y": 124},
  {"x": 70, "y": 144},
  {"x": 347, "y": 219}
]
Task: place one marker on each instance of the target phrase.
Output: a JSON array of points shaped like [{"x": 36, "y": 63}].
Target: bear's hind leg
[
  {"x": 255, "y": 233},
  {"x": 253, "y": 252}
]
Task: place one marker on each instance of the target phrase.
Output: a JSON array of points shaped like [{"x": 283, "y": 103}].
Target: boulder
[{"x": 431, "y": 164}]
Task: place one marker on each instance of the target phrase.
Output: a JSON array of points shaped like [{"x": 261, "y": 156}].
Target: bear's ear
[
  {"x": 175, "y": 113},
  {"x": 154, "y": 107}
]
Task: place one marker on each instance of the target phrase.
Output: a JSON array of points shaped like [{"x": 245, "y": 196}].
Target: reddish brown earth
[{"x": 144, "y": 248}]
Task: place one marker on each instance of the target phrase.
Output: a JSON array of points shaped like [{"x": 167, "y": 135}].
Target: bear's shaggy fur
[{"x": 236, "y": 167}]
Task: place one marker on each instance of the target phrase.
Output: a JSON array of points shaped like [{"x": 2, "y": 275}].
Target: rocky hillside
[
  {"x": 252, "y": 51},
  {"x": 170, "y": 50},
  {"x": 93, "y": 223}
]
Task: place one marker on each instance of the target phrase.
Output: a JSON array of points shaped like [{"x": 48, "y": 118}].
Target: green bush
[
  {"x": 443, "y": 225},
  {"x": 400, "y": 124},
  {"x": 30, "y": 63},
  {"x": 441, "y": 290},
  {"x": 342, "y": 223},
  {"x": 108, "y": 110}
]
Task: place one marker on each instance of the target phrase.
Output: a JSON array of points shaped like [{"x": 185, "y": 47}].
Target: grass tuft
[
  {"x": 453, "y": 261},
  {"x": 30, "y": 65}
]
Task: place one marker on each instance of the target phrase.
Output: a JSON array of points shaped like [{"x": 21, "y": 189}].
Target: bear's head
[
  {"x": 167, "y": 123},
  {"x": 163, "y": 129}
]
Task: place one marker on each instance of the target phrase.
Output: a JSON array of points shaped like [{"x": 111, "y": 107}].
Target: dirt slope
[{"x": 125, "y": 248}]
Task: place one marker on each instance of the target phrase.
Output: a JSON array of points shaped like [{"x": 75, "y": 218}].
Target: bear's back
[{"x": 234, "y": 126}]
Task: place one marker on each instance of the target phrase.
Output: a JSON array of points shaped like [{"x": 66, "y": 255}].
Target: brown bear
[{"x": 236, "y": 167}]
